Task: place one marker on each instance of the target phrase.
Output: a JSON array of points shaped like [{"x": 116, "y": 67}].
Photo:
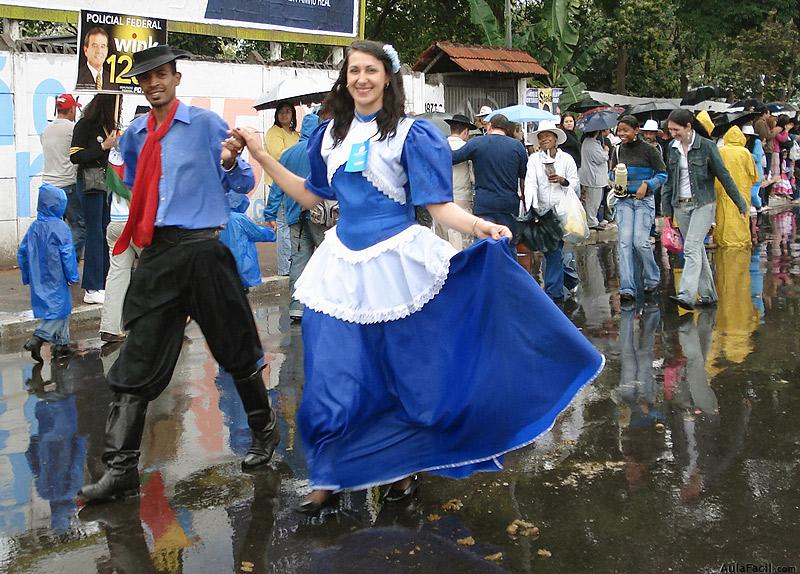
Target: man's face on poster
[{"x": 96, "y": 50}]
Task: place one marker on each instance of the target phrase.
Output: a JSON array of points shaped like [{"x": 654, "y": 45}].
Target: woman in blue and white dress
[{"x": 417, "y": 357}]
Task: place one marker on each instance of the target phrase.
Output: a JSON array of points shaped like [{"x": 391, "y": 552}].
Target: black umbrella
[
  {"x": 585, "y": 105},
  {"x": 724, "y": 122},
  {"x": 597, "y": 121},
  {"x": 748, "y": 104},
  {"x": 702, "y": 94},
  {"x": 653, "y": 110}
]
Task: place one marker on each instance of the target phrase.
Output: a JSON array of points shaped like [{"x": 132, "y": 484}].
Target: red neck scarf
[{"x": 144, "y": 199}]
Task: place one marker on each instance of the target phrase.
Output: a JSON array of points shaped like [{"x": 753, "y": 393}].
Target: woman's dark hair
[
  {"x": 750, "y": 142},
  {"x": 783, "y": 120},
  {"x": 293, "y": 122},
  {"x": 629, "y": 121},
  {"x": 574, "y": 121},
  {"x": 681, "y": 117},
  {"x": 100, "y": 112},
  {"x": 341, "y": 103}
]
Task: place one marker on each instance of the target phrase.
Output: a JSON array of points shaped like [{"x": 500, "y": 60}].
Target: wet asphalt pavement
[{"x": 683, "y": 456}]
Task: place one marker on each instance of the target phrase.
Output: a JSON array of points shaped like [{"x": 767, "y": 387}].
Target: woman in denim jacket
[{"x": 694, "y": 163}]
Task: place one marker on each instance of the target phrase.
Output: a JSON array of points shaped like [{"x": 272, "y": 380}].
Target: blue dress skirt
[
  {"x": 419, "y": 358},
  {"x": 483, "y": 368}
]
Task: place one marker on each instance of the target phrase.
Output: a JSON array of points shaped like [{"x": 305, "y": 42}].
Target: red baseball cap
[{"x": 66, "y": 102}]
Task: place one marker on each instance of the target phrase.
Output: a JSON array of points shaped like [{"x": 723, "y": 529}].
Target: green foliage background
[{"x": 657, "y": 48}]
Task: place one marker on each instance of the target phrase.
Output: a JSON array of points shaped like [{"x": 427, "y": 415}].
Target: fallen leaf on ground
[
  {"x": 522, "y": 528},
  {"x": 433, "y": 517},
  {"x": 542, "y": 553},
  {"x": 496, "y": 557},
  {"x": 454, "y": 504},
  {"x": 468, "y": 541}
]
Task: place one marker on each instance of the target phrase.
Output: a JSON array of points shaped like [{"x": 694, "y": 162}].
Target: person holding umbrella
[
  {"x": 593, "y": 170},
  {"x": 636, "y": 210}
]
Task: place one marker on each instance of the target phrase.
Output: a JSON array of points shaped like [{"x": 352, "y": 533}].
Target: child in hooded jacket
[
  {"x": 241, "y": 235},
  {"x": 47, "y": 262}
]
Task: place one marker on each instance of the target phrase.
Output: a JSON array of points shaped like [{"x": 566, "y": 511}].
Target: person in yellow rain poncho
[
  {"x": 732, "y": 229},
  {"x": 706, "y": 123}
]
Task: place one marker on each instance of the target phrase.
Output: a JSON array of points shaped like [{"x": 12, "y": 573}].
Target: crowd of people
[{"x": 392, "y": 387}]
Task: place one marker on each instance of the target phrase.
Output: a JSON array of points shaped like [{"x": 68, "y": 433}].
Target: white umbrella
[{"x": 294, "y": 91}]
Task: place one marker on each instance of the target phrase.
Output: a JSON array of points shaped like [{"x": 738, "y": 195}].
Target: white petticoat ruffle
[{"x": 384, "y": 282}]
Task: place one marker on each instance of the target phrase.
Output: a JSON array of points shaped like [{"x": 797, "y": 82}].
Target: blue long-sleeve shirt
[
  {"x": 193, "y": 183},
  {"x": 644, "y": 163}
]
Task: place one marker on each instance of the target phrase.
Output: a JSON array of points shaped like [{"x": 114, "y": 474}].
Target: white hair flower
[{"x": 394, "y": 57}]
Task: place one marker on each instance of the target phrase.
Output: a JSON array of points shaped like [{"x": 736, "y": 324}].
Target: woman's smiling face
[{"x": 366, "y": 81}]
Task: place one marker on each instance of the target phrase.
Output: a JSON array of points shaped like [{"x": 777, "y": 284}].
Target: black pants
[{"x": 183, "y": 274}]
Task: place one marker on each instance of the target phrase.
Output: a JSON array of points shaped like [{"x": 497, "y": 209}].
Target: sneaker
[{"x": 94, "y": 297}]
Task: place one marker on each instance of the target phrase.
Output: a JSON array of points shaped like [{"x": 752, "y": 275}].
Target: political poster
[
  {"x": 107, "y": 43},
  {"x": 318, "y": 21}
]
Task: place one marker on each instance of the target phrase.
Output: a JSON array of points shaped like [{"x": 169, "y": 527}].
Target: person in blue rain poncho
[
  {"x": 47, "y": 262},
  {"x": 241, "y": 235},
  {"x": 306, "y": 234}
]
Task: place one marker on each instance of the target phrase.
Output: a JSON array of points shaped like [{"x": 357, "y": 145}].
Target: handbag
[
  {"x": 94, "y": 179},
  {"x": 671, "y": 238},
  {"x": 540, "y": 232}
]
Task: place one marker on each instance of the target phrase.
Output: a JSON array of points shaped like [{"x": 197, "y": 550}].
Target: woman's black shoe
[
  {"x": 394, "y": 495},
  {"x": 312, "y": 507}
]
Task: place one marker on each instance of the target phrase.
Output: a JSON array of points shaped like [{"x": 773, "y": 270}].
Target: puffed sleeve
[
  {"x": 317, "y": 182},
  {"x": 428, "y": 162}
]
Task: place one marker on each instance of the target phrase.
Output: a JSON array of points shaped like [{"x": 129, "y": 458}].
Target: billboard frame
[{"x": 242, "y": 33}]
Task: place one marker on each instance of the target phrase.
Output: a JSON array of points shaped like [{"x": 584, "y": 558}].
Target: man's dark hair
[
  {"x": 761, "y": 109},
  {"x": 681, "y": 117},
  {"x": 500, "y": 122},
  {"x": 93, "y": 32},
  {"x": 458, "y": 127}
]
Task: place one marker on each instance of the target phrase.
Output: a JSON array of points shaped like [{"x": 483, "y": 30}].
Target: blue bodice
[{"x": 368, "y": 216}]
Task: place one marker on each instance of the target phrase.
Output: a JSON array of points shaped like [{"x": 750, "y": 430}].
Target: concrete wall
[{"x": 30, "y": 82}]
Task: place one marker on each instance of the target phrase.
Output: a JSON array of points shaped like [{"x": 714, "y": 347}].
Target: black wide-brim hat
[
  {"x": 152, "y": 58},
  {"x": 461, "y": 119}
]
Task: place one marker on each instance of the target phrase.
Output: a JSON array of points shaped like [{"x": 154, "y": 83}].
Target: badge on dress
[{"x": 359, "y": 154}]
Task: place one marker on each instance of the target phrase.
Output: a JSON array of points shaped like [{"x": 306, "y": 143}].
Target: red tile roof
[{"x": 463, "y": 58}]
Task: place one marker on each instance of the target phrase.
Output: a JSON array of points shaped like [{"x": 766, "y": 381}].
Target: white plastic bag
[
  {"x": 794, "y": 151},
  {"x": 572, "y": 217}
]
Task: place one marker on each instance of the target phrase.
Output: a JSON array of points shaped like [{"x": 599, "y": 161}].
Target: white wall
[{"x": 29, "y": 84}]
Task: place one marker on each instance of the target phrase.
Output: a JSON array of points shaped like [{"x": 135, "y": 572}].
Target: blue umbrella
[
  {"x": 597, "y": 121},
  {"x": 523, "y": 113}
]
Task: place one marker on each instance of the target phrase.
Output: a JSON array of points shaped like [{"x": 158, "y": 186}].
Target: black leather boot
[
  {"x": 124, "y": 429},
  {"x": 34, "y": 345},
  {"x": 261, "y": 419}
]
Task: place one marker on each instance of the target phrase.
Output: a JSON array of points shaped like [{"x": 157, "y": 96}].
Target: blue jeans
[
  {"x": 697, "y": 278},
  {"x": 74, "y": 218},
  {"x": 306, "y": 237},
  {"x": 634, "y": 219},
  {"x": 283, "y": 240},
  {"x": 54, "y": 331},
  {"x": 554, "y": 273},
  {"x": 96, "y": 214}
]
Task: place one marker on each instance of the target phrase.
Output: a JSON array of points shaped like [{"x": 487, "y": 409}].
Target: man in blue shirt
[
  {"x": 500, "y": 163},
  {"x": 184, "y": 271}
]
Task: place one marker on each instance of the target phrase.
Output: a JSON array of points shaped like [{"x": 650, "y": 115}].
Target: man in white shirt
[
  {"x": 463, "y": 180},
  {"x": 551, "y": 174},
  {"x": 59, "y": 170}
]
